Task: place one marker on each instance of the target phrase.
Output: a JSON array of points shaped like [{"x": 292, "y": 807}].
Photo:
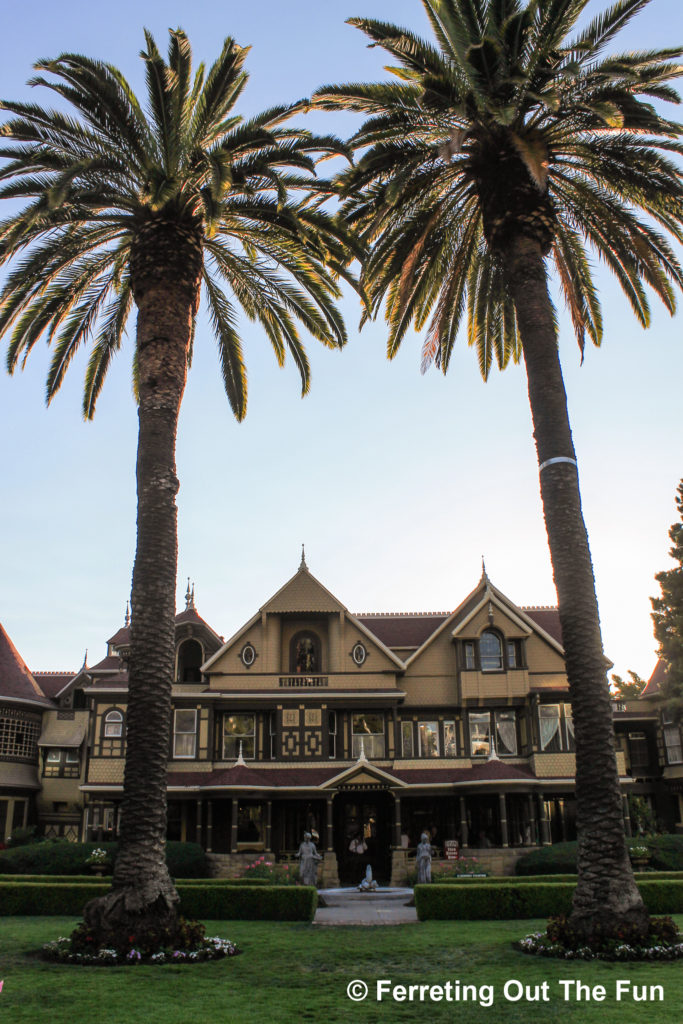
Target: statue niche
[{"x": 304, "y": 653}]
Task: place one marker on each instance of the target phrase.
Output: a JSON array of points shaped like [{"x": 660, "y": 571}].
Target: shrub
[
  {"x": 499, "y": 902},
  {"x": 666, "y": 854},
  {"x": 271, "y": 872},
  {"x": 249, "y": 903},
  {"x": 59, "y": 857},
  {"x": 213, "y": 901}
]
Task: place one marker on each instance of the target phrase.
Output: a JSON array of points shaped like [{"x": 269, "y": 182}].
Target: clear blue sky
[{"x": 396, "y": 483}]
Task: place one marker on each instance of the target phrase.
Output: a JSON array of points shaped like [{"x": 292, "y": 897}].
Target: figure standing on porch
[
  {"x": 308, "y": 861},
  {"x": 423, "y": 860}
]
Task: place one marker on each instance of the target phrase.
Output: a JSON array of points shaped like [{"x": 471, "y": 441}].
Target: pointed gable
[
  {"x": 16, "y": 680},
  {"x": 303, "y": 594}
]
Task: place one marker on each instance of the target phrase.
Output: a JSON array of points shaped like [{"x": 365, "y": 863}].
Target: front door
[{"x": 362, "y": 835}]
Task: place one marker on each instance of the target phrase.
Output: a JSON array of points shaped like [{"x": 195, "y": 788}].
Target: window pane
[
  {"x": 185, "y": 721},
  {"x": 469, "y": 655},
  {"x": 72, "y": 757},
  {"x": 512, "y": 654},
  {"x": 450, "y": 747},
  {"x": 491, "y": 652},
  {"x": 368, "y": 724},
  {"x": 113, "y": 724},
  {"x": 238, "y": 725},
  {"x": 480, "y": 734},
  {"x": 672, "y": 740},
  {"x": 53, "y": 756},
  {"x": 184, "y": 745},
  {"x": 373, "y": 745},
  {"x": 506, "y": 732},
  {"x": 638, "y": 750},
  {"x": 407, "y": 739},
  {"x": 549, "y": 720},
  {"x": 428, "y": 733}
]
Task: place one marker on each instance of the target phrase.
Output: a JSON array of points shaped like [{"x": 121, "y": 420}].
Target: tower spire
[
  {"x": 126, "y": 620},
  {"x": 189, "y": 597},
  {"x": 302, "y": 564}
]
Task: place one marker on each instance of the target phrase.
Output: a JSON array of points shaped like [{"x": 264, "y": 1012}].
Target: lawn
[{"x": 299, "y": 972}]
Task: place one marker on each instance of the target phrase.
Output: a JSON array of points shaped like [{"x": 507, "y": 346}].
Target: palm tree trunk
[
  {"x": 142, "y": 893},
  {"x": 606, "y": 895}
]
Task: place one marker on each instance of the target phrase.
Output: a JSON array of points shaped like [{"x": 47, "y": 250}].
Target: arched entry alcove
[{"x": 363, "y": 813}]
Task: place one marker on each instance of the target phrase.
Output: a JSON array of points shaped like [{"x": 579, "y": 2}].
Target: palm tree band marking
[{"x": 559, "y": 458}]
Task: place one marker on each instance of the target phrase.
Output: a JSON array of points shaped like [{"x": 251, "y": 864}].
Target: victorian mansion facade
[{"x": 374, "y": 727}]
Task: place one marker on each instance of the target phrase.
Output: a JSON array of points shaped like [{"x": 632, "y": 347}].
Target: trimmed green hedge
[
  {"x": 501, "y": 902},
  {"x": 220, "y": 902},
  {"x": 59, "y": 857},
  {"x": 666, "y": 854}
]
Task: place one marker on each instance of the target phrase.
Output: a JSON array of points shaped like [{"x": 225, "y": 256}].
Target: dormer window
[
  {"x": 190, "y": 658},
  {"x": 490, "y": 652}
]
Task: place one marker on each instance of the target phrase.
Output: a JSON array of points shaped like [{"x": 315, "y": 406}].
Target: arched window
[
  {"x": 490, "y": 652},
  {"x": 190, "y": 659},
  {"x": 304, "y": 653},
  {"x": 113, "y": 724}
]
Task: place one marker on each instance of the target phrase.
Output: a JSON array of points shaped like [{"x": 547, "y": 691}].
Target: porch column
[
  {"x": 532, "y": 821},
  {"x": 627, "y": 817},
  {"x": 543, "y": 821},
  {"x": 503, "y": 820},
  {"x": 464, "y": 833},
  {"x": 269, "y": 823},
  {"x": 329, "y": 845},
  {"x": 209, "y": 826},
  {"x": 233, "y": 825},
  {"x": 397, "y": 821},
  {"x": 198, "y": 829}
]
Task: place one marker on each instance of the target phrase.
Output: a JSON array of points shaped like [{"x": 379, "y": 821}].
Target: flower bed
[
  {"x": 663, "y": 942},
  {"x": 210, "y": 949}
]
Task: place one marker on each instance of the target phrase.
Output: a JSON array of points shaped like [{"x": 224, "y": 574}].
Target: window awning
[{"x": 62, "y": 733}]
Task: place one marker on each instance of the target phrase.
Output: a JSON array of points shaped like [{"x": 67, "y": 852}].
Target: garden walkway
[{"x": 350, "y": 907}]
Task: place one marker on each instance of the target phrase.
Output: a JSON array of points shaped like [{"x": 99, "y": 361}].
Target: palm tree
[
  {"x": 503, "y": 147},
  {"x": 129, "y": 206}
]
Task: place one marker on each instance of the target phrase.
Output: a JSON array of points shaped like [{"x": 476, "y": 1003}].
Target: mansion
[{"x": 367, "y": 729}]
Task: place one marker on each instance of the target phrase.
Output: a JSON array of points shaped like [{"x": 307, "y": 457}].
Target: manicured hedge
[
  {"x": 666, "y": 854},
  {"x": 59, "y": 857},
  {"x": 220, "y": 902},
  {"x": 249, "y": 903},
  {"x": 502, "y": 902}
]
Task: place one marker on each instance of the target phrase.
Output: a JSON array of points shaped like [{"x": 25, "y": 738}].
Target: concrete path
[{"x": 350, "y": 907}]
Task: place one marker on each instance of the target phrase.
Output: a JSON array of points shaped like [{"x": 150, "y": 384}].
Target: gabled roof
[
  {"x": 303, "y": 593},
  {"x": 483, "y": 593},
  {"x": 16, "y": 681},
  {"x": 52, "y": 683},
  {"x": 654, "y": 684},
  {"x": 121, "y": 637}
]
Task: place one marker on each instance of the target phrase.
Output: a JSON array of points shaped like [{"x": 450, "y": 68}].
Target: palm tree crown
[
  {"x": 119, "y": 197},
  {"x": 508, "y": 127}
]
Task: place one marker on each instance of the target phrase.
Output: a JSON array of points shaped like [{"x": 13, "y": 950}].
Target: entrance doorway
[{"x": 363, "y": 818}]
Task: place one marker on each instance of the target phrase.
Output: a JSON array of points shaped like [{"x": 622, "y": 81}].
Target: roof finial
[
  {"x": 189, "y": 596},
  {"x": 240, "y": 758},
  {"x": 483, "y": 569},
  {"x": 361, "y": 753},
  {"x": 303, "y": 565},
  {"x": 493, "y": 756},
  {"x": 85, "y": 660},
  {"x": 126, "y": 621}
]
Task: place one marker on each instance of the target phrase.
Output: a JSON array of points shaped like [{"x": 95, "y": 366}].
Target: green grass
[{"x": 299, "y": 972}]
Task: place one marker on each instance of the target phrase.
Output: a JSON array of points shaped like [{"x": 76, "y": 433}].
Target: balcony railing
[{"x": 300, "y": 682}]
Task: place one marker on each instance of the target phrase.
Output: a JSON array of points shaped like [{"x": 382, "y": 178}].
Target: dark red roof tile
[
  {"x": 654, "y": 683},
  {"x": 548, "y": 619},
  {"x": 409, "y": 630},
  {"x": 16, "y": 680}
]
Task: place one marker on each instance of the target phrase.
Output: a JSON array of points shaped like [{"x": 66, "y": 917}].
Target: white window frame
[
  {"x": 178, "y": 733},
  {"x": 510, "y": 714},
  {"x": 450, "y": 723},
  {"x": 407, "y": 740},
  {"x": 113, "y": 724},
  {"x": 483, "y": 717}
]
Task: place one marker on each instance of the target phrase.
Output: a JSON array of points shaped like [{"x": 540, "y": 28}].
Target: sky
[{"x": 396, "y": 483}]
